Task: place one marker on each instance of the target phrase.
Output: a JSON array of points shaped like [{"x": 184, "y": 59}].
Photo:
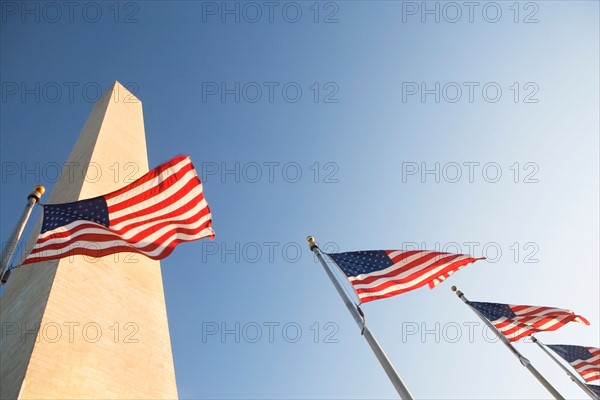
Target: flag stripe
[
  {"x": 96, "y": 250},
  {"x": 172, "y": 165},
  {"x": 400, "y": 270},
  {"x": 385, "y": 273},
  {"x": 518, "y": 321},
  {"x": 416, "y": 276},
  {"x": 90, "y": 232},
  {"x": 163, "y": 191},
  {"x": 89, "y": 237},
  {"x": 419, "y": 276}
]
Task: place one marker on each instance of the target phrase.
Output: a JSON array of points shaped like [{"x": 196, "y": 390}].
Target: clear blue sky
[{"x": 339, "y": 101}]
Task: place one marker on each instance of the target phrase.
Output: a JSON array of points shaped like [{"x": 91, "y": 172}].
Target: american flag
[
  {"x": 517, "y": 322},
  {"x": 150, "y": 216},
  {"x": 595, "y": 389},
  {"x": 585, "y": 360},
  {"x": 377, "y": 274}
]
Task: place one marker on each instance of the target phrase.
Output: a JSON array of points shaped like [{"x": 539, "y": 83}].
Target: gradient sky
[{"x": 338, "y": 150}]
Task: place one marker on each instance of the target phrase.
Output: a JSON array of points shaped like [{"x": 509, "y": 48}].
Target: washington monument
[{"x": 82, "y": 327}]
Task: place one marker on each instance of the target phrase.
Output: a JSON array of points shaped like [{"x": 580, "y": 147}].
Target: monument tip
[{"x": 123, "y": 92}]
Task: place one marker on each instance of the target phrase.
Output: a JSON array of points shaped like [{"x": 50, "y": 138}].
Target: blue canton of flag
[
  {"x": 493, "y": 311},
  {"x": 585, "y": 360},
  {"x": 362, "y": 262},
  {"x": 595, "y": 389},
  {"x": 58, "y": 215}
]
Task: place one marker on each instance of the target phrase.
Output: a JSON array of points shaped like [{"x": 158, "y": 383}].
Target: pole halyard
[{"x": 354, "y": 311}]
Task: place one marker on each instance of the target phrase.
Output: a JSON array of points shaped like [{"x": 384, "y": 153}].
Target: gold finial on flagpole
[
  {"x": 311, "y": 243},
  {"x": 37, "y": 193}
]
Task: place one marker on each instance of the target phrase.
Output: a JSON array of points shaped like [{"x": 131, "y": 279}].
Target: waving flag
[
  {"x": 150, "y": 216},
  {"x": 384, "y": 273},
  {"x": 517, "y": 322},
  {"x": 595, "y": 389},
  {"x": 585, "y": 360}
]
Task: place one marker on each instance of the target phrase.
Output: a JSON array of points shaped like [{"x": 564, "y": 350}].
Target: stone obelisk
[{"x": 82, "y": 327}]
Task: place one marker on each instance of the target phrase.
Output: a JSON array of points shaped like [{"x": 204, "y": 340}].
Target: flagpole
[
  {"x": 359, "y": 319},
  {"x": 7, "y": 253},
  {"x": 569, "y": 373},
  {"x": 524, "y": 361}
]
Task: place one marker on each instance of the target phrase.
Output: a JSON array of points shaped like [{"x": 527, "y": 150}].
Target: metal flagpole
[
  {"x": 524, "y": 361},
  {"x": 359, "y": 319},
  {"x": 571, "y": 375},
  {"x": 7, "y": 253}
]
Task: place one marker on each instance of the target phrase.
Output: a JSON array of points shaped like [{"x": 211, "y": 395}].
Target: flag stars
[
  {"x": 57, "y": 215},
  {"x": 573, "y": 353},
  {"x": 362, "y": 262}
]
